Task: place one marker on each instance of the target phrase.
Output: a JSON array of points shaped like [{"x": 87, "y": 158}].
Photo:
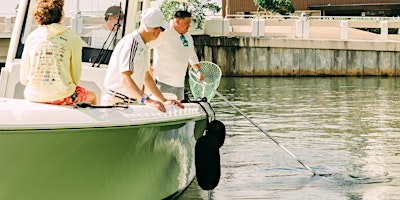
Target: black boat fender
[
  {"x": 207, "y": 161},
  {"x": 207, "y": 158},
  {"x": 217, "y": 130}
]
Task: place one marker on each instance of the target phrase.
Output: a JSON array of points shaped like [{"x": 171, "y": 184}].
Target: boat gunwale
[
  {"x": 68, "y": 117},
  {"x": 150, "y": 124}
]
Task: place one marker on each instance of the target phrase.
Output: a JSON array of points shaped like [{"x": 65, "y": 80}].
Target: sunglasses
[{"x": 185, "y": 42}]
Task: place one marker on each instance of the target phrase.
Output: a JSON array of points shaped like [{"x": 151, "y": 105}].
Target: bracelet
[
  {"x": 144, "y": 97},
  {"x": 199, "y": 70}
]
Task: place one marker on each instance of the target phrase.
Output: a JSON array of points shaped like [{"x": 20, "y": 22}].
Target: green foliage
[
  {"x": 198, "y": 8},
  {"x": 283, "y": 7}
]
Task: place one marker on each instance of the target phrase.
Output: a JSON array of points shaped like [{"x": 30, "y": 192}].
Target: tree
[
  {"x": 283, "y": 7},
  {"x": 198, "y": 8}
]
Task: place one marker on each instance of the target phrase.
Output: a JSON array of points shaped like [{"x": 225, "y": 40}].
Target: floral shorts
[{"x": 80, "y": 95}]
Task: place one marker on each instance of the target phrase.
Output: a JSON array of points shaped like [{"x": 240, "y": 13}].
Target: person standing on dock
[
  {"x": 51, "y": 61},
  {"x": 173, "y": 50},
  {"x": 128, "y": 69}
]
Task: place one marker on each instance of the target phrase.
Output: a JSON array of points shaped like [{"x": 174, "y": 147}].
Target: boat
[{"x": 93, "y": 152}]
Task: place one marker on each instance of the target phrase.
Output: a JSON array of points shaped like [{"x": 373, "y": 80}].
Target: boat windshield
[{"x": 100, "y": 24}]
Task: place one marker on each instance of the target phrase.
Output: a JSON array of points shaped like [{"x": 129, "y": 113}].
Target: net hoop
[{"x": 212, "y": 76}]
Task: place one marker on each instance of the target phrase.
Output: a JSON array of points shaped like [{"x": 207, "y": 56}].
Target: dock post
[{"x": 384, "y": 30}]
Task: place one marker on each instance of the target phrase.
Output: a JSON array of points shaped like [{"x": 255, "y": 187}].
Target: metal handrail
[{"x": 341, "y": 18}]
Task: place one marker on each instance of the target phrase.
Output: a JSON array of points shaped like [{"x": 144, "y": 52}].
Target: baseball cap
[
  {"x": 113, "y": 11},
  {"x": 153, "y": 17}
]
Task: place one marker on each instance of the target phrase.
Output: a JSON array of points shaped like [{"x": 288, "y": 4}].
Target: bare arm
[
  {"x": 130, "y": 85},
  {"x": 199, "y": 73},
  {"x": 133, "y": 89},
  {"x": 152, "y": 87}
]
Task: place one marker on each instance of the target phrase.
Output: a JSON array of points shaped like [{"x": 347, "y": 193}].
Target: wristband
[
  {"x": 199, "y": 70},
  {"x": 144, "y": 97}
]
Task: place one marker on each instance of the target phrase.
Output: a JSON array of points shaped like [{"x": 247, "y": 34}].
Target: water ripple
[{"x": 346, "y": 129}]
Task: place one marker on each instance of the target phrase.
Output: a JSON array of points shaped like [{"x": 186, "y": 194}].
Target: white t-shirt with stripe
[{"x": 130, "y": 54}]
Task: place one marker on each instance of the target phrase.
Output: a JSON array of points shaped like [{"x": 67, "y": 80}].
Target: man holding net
[{"x": 173, "y": 50}]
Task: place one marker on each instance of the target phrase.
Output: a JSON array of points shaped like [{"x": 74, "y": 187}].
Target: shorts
[
  {"x": 111, "y": 98},
  {"x": 80, "y": 95},
  {"x": 178, "y": 91}
]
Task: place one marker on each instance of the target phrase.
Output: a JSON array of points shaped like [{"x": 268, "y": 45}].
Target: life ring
[
  {"x": 216, "y": 129},
  {"x": 207, "y": 161}
]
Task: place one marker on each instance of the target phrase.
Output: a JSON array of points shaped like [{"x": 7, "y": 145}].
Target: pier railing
[
  {"x": 327, "y": 27},
  {"x": 256, "y": 25},
  {"x": 7, "y": 21}
]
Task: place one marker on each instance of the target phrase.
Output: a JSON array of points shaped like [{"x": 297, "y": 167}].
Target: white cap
[{"x": 153, "y": 17}]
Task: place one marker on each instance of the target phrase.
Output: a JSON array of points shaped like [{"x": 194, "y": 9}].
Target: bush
[{"x": 198, "y": 8}]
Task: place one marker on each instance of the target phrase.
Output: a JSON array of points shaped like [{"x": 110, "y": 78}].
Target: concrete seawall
[{"x": 274, "y": 56}]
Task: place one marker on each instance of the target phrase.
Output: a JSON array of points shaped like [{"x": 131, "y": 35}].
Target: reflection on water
[{"x": 346, "y": 129}]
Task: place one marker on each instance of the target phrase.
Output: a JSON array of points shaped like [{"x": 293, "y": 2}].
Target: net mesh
[{"x": 212, "y": 76}]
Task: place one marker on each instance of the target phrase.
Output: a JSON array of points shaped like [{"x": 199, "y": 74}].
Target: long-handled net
[
  {"x": 209, "y": 89},
  {"x": 212, "y": 76}
]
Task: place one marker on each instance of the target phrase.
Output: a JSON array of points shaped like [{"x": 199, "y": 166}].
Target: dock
[
  {"x": 289, "y": 45},
  {"x": 6, "y": 24}
]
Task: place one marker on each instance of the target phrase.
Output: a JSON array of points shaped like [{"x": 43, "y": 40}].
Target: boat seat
[
  {"x": 11, "y": 87},
  {"x": 93, "y": 79}
]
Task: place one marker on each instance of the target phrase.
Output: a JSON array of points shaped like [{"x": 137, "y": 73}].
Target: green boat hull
[{"x": 150, "y": 161}]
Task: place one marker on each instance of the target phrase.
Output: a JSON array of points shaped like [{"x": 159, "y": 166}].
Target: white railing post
[
  {"x": 261, "y": 27},
  {"x": 8, "y": 24},
  {"x": 300, "y": 26},
  {"x": 225, "y": 28},
  {"x": 384, "y": 30},
  {"x": 344, "y": 34},
  {"x": 254, "y": 27}
]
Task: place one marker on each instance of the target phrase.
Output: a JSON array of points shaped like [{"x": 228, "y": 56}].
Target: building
[{"x": 327, "y": 7}]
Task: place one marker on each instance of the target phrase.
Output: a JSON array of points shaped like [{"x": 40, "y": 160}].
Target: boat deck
[{"x": 15, "y": 111}]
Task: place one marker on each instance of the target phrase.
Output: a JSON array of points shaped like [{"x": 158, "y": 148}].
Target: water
[{"x": 346, "y": 129}]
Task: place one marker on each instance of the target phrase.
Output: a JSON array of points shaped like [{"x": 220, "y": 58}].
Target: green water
[{"x": 346, "y": 129}]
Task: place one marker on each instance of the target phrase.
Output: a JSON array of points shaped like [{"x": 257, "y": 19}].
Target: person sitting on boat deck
[
  {"x": 173, "y": 50},
  {"x": 106, "y": 36},
  {"x": 51, "y": 61},
  {"x": 128, "y": 69}
]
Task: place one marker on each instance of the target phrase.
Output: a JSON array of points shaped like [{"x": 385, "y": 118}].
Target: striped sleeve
[{"x": 134, "y": 48}]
